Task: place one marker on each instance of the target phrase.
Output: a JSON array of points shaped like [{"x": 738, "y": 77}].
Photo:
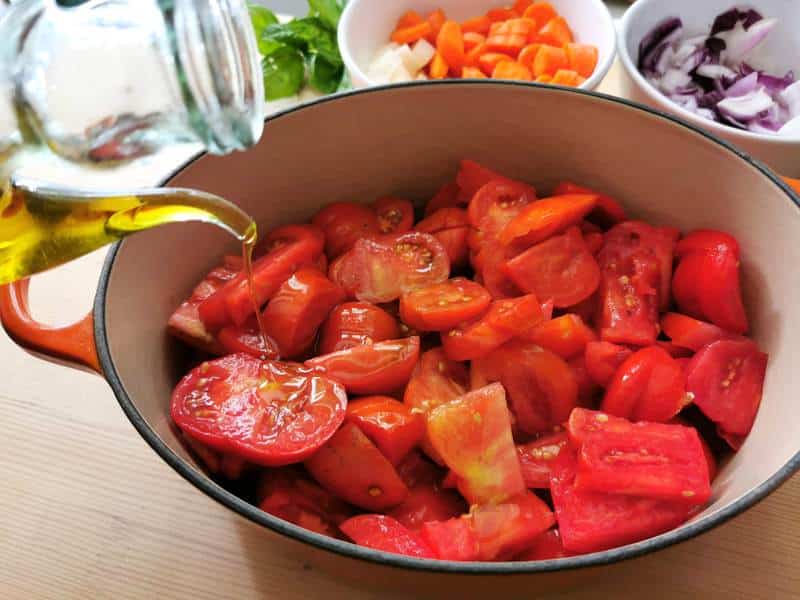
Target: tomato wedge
[
  {"x": 560, "y": 269},
  {"x": 395, "y": 215},
  {"x": 351, "y": 467},
  {"x": 472, "y": 434},
  {"x": 567, "y": 336},
  {"x": 380, "y": 269},
  {"x": 472, "y": 177},
  {"x": 388, "y": 423},
  {"x": 426, "y": 503},
  {"x": 451, "y": 227},
  {"x": 648, "y": 386},
  {"x": 690, "y": 333},
  {"x": 371, "y": 369},
  {"x": 547, "y": 217},
  {"x": 268, "y": 412},
  {"x": 606, "y": 213},
  {"x": 537, "y": 456},
  {"x": 356, "y": 324},
  {"x": 496, "y": 204},
  {"x": 247, "y": 338},
  {"x": 343, "y": 223},
  {"x": 545, "y": 547},
  {"x": 380, "y": 532},
  {"x": 489, "y": 262},
  {"x": 454, "y": 539},
  {"x": 726, "y": 378},
  {"x": 446, "y": 197},
  {"x": 706, "y": 240},
  {"x": 443, "y": 306}
]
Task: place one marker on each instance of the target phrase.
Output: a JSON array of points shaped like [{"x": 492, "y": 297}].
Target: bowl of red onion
[{"x": 733, "y": 69}]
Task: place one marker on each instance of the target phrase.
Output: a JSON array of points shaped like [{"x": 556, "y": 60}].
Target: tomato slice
[
  {"x": 603, "y": 359},
  {"x": 595, "y": 521},
  {"x": 386, "y": 534},
  {"x": 726, "y": 378},
  {"x": 560, "y": 269},
  {"x": 537, "y": 456},
  {"x": 652, "y": 460},
  {"x": 268, "y": 412},
  {"x": 547, "y": 217},
  {"x": 352, "y": 468},
  {"x": 388, "y": 423},
  {"x": 297, "y": 310},
  {"x": 451, "y": 227},
  {"x": 356, "y": 324},
  {"x": 648, "y": 386},
  {"x": 381, "y": 269},
  {"x": 472, "y": 434},
  {"x": 690, "y": 333},
  {"x": 343, "y": 223},
  {"x": 472, "y": 176},
  {"x": 446, "y": 197},
  {"x": 443, "y": 306},
  {"x": 496, "y": 204},
  {"x": 607, "y": 212},
  {"x": 248, "y": 338},
  {"x": 567, "y": 336},
  {"x": 454, "y": 539},
  {"x": 395, "y": 215},
  {"x": 547, "y": 546},
  {"x": 371, "y": 369},
  {"x": 541, "y": 387},
  {"x": 289, "y": 234}
]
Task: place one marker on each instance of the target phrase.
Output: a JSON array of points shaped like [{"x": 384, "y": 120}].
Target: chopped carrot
[
  {"x": 450, "y": 44},
  {"x": 520, "y": 6},
  {"x": 582, "y": 58},
  {"x": 436, "y": 19},
  {"x": 549, "y": 60},
  {"x": 477, "y": 25},
  {"x": 472, "y": 73},
  {"x": 544, "y": 79},
  {"x": 409, "y": 19},
  {"x": 511, "y": 69},
  {"x": 489, "y": 60},
  {"x": 409, "y": 35},
  {"x": 556, "y": 32},
  {"x": 528, "y": 54},
  {"x": 438, "y": 67},
  {"x": 793, "y": 183},
  {"x": 541, "y": 12},
  {"x": 472, "y": 39},
  {"x": 501, "y": 14},
  {"x": 566, "y": 77},
  {"x": 509, "y": 37},
  {"x": 472, "y": 57}
]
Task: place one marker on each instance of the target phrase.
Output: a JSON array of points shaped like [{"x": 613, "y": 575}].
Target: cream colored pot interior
[{"x": 408, "y": 141}]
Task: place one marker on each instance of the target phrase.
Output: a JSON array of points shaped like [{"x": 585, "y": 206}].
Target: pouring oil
[{"x": 44, "y": 226}]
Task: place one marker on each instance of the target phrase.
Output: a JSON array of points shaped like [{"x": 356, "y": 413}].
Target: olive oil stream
[{"x": 43, "y": 226}]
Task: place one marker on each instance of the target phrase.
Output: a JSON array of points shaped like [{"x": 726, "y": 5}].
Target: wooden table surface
[{"x": 88, "y": 510}]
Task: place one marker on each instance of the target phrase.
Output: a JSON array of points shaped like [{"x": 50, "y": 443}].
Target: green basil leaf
[
  {"x": 327, "y": 10},
  {"x": 309, "y": 35},
  {"x": 261, "y": 17},
  {"x": 284, "y": 72},
  {"x": 325, "y": 76}
]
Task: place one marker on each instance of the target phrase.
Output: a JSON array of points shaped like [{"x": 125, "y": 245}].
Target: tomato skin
[
  {"x": 547, "y": 546},
  {"x": 706, "y": 240},
  {"x": 443, "y": 306},
  {"x": 453, "y": 539},
  {"x": 691, "y": 333},
  {"x": 451, "y": 227},
  {"x": 472, "y": 176},
  {"x": 607, "y": 213},
  {"x": 427, "y": 503},
  {"x": 352, "y": 468},
  {"x": 726, "y": 378},
  {"x": 648, "y": 386},
  {"x": 547, "y": 217},
  {"x": 380, "y": 269},
  {"x": 343, "y": 223},
  {"x": 541, "y": 387},
  {"x": 384, "y": 533},
  {"x": 446, "y": 197},
  {"x": 536, "y": 457},
  {"x": 560, "y": 269},
  {"x": 388, "y": 423},
  {"x": 354, "y": 324},
  {"x": 395, "y": 215},
  {"x": 566, "y": 336},
  {"x": 370, "y": 369},
  {"x": 472, "y": 434},
  {"x": 220, "y": 403},
  {"x": 603, "y": 359}
]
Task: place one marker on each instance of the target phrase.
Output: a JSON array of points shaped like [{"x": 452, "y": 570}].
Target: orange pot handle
[
  {"x": 793, "y": 183},
  {"x": 72, "y": 344}
]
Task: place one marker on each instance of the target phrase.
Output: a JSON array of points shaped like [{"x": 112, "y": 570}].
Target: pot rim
[{"x": 349, "y": 550}]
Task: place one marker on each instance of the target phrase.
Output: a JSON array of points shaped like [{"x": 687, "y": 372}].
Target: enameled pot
[{"x": 408, "y": 140}]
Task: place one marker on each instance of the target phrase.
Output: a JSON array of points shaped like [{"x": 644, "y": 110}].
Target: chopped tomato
[
  {"x": 726, "y": 378},
  {"x": 268, "y": 412},
  {"x": 560, "y": 269},
  {"x": 547, "y": 546},
  {"x": 248, "y": 338},
  {"x": 451, "y": 227},
  {"x": 706, "y": 240},
  {"x": 426, "y": 503},
  {"x": 690, "y": 333},
  {"x": 380, "y": 532},
  {"x": 391, "y": 426},
  {"x": 415, "y": 470},
  {"x": 497, "y": 203},
  {"x": 380, "y": 269},
  {"x": 394, "y": 215},
  {"x": 648, "y": 386},
  {"x": 536, "y": 457},
  {"x": 674, "y": 350},
  {"x": 356, "y": 324},
  {"x": 443, "y": 306},
  {"x": 351, "y": 467},
  {"x": 607, "y": 212},
  {"x": 453, "y": 539},
  {"x": 343, "y": 223},
  {"x": 446, "y": 197},
  {"x": 587, "y": 388},
  {"x": 472, "y": 434},
  {"x": 567, "y": 336},
  {"x": 541, "y": 387},
  {"x": 547, "y": 217},
  {"x": 489, "y": 263},
  {"x": 370, "y": 369},
  {"x": 472, "y": 176}
]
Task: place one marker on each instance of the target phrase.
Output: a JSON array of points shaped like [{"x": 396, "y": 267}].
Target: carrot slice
[
  {"x": 528, "y": 54},
  {"x": 502, "y": 14},
  {"x": 477, "y": 25},
  {"x": 521, "y": 6},
  {"x": 793, "y": 183},
  {"x": 567, "y": 77},
  {"x": 450, "y": 44},
  {"x": 489, "y": 60},
  {"x": 472, "y": 73},
  {"x": 510, "y": 36},
  {"x": 409, "y": 19},
  {"x": 438, "y": 67},
  {"x": 547, "y": 217},
  {"x": 556, "y": 32},
  {"x": 582, "y": 58},
  {"x": 549, "y": 60},
  {"x": 511, "y": 69},
  {"x": 541, "y": 12},
  {"x": 436, "y": 19},
  {"x": 473, "y": 56},
  {"x": 544, "y": 79},
  {"x": 472, "y": 39},
  {"x": 409, "y": 35}
]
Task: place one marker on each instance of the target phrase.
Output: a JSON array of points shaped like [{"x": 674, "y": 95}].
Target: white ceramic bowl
[
  {"x": 779, "y": 53},
  {"x": 367, "y": 25}
]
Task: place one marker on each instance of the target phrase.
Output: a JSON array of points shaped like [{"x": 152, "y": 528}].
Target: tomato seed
[{"x": 375, "y": 491}]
